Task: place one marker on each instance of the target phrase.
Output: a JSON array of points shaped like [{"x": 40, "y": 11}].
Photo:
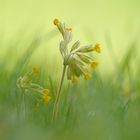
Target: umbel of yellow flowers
[
  {"x": 32, "y": 89},
  {"x": 76, "y": 60}
]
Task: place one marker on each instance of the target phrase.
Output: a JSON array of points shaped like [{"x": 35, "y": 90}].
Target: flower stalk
[
  {"x": 58, "y": 95},
  {"x": 75, "y": 61}
]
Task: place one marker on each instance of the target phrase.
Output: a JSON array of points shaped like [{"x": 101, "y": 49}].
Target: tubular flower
[
  {"x": 75, "y": 58},
  {"x": 97, "y": 47},
  {"x": 94, "y": 64},
  {"x": 34, "y": 90},
  {"x": 46, "y": 98},
  {"x": 56, "y": 21},
  {"x": 87, "y": 76}
]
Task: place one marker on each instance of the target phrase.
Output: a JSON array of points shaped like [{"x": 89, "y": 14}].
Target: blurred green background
[{"x": 107, "y": 107}]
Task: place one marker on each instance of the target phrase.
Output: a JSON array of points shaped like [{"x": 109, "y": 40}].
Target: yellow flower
[
  {"x": 97, "y": 48},
  {"x": 56, "y": 21},
  {"x": 75, "y": 79},
  {"x": 35, "y": 70},
  {"x": 87, "y": 76},
  {"x": 46, "y": 99},
  {"x": 76, "y": 58},
  {"x": 94, "y": 64}
]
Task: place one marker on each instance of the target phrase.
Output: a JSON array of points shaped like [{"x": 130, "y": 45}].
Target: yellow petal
[
  {"x": 55, "y": 21},
  {"x": 46, "y": 99},
  {"x": 97, "y": 48},
  {"x": 87, "y": 76},
  {"x": 94, "y": 64}
]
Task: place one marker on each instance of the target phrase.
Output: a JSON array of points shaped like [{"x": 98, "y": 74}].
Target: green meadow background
[{"x": 106, "y": 107}]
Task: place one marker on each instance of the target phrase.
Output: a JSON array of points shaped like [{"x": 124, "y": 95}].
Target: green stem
[
  {"x": 24, "y": 106},
  {"x": 58, "y": 96}
]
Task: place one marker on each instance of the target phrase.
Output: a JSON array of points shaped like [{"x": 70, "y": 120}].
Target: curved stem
[{"x": 58, "y": 96}]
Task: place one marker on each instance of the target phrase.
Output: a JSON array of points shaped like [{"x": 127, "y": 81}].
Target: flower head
[
  {"x": 34, "y": 90},
  {"x": 94, "y": 64},
  {"x": 75, "y": 58},
  {"x": 46, "y": 99},
  {"x": 97, "y": 48},
  {"x": 86, "y": 73},
  {"x": 87, "y": 76},
  {"x": 45, "y": 96},
  {"x": 55, "y": 21}
]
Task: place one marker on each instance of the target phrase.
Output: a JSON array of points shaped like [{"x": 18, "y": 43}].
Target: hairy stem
[{"x": 58, "y": 96}]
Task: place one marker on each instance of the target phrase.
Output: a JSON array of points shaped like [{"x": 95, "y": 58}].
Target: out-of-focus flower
[
  {"x": 46, "y": 99},
  {"x": 34, "y": 90}
]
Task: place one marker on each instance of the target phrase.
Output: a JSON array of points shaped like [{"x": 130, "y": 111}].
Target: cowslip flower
[
  {"x": 32, "y": 89},
  {"x": 94, "y": 64},
  {"x": 46, "y": 97},
  {"x": 75, "y": 58},
  {"x": 97, "y": 47},
  {"x": 87, "y": 76}
]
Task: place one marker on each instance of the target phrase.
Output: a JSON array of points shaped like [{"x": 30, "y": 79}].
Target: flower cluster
[
  {"x": 34, "y": 90},
  {"x": 75, "y": 59}
]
